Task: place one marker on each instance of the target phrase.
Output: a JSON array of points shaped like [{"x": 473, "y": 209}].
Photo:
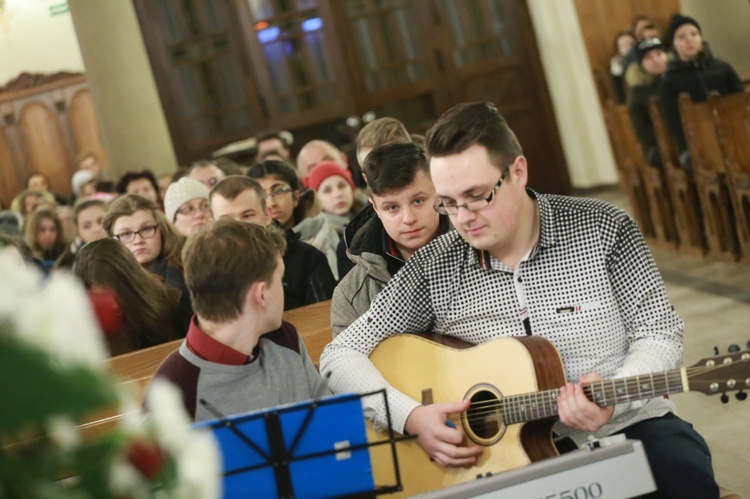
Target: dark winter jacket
[
  {"x": 697, "y": 78},
  {"x": 307, "y": 276},
  {"x": 376, "y": 261}
]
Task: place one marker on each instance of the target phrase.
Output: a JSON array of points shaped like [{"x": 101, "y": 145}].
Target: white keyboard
[{"x": 615, "y": 471}]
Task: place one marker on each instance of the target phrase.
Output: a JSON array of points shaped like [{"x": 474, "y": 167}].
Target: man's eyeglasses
[
  {"x": 188, "y": 209},
  {"x": 451, "y": 208},
  {"x": 278, "y": 191},
  {"x": 146, "y": 232}
]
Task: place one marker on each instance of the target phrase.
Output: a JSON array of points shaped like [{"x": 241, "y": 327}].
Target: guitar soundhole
[{"x": 483, "y": 422}]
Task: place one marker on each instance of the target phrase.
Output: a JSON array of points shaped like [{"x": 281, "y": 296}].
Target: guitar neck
[{"x": 539, "y": 405}]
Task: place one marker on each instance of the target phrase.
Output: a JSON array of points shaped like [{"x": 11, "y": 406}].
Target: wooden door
[
  {"x": 489, "y": 53},
  {"x": 201, "y": 68},
  {"x": 392, "y": 60},
  {"x": 44, "y": 145},
  {"x": 295, "y": 55}
]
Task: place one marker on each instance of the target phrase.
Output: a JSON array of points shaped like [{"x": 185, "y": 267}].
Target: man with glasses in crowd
[{"x": 574, "y": 271}]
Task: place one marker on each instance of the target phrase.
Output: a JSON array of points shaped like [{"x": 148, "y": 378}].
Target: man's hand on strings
[
  {"x": 440, "y": 441},
  {"x": 577, "y": 411}
]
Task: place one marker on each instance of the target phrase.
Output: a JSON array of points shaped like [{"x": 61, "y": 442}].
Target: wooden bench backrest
[
  {"x": 135, "y": 369},
  {"x": 731, "y": 114},
  {"x": 667, "y": 148},
  {"x": 700, "y": 133}
]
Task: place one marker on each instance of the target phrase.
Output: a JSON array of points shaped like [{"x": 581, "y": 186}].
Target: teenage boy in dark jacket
[{"x": 400, "y": 220}]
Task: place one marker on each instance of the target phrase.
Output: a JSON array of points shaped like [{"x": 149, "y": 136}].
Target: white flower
[
  {"x": 125, "y": 480},
  {"x": 195, "y": 452},
  {"x": 199, "y": 467},
  {"x": 53, "y": 314},
  {"x": 18, "y": 284},
  {"x": 167, "y": 413},
  {"x": 63, "y": 431}
]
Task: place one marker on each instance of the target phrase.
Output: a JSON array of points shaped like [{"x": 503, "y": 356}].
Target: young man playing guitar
[{"x": 574, "y": 271}]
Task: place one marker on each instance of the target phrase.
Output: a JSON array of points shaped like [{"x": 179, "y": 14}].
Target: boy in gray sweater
[{"x": 238, "y": 354}]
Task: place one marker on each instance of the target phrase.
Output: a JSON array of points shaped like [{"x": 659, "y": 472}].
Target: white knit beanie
[
  {"x": 80, "y": 177},
  {"x": 181, "y": 192}
]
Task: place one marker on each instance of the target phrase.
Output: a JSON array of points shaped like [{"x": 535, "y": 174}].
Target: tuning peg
[
  {"x": 734, "y": 348},
  {"x": 740, "y": 395},
  {"x": 716, "y": 350},
  {"x": 724, "y": 398}
]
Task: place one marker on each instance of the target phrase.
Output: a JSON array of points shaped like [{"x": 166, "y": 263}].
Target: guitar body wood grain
[{"x": 505, "y": 366}]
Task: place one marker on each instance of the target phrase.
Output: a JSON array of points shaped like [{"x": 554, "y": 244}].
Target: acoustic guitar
[{"x": 513, "y": 387}]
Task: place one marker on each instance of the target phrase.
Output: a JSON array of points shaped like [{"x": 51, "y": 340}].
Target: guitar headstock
[{"x": 721, "y": 374}]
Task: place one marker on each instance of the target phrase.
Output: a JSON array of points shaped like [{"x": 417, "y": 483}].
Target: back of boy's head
[
  {"x": 382, "y": 131},
  {"x": 222, "y": 263},
  {"x": 392, "y": 167},
  {"x": 234, "y": 185}
]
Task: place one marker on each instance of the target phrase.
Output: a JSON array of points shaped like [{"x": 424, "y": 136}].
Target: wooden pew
[
  {"x": 135, "y": 369},
  {"x": 653, "y": 182},
  {"x": 630, "y": 173},
  {"x": 681, "y": 186},
  {"x": 710, "y": 178},
  {"x": 731, "y": 115}
]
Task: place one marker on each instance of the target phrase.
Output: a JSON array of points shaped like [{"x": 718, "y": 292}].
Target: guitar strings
[{"x": 517, "y": 405}]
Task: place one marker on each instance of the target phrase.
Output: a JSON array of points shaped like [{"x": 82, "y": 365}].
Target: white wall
[
  {"x": 725, "y": 25},
  {"x": 33, "y": 40},
  {"x": 131, "y": 119},
  {"x": 578, "y": 114}
]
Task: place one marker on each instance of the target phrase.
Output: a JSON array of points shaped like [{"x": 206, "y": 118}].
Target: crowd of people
[
  {"x": 649, "y": 64},
  {"x": 125, "y": 237},
  {"x": 446, "y": 237}
]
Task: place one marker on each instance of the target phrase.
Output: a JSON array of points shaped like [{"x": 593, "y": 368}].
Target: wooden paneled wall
[
  {"x": 601, "y": 21},
  {"x": 46, "y": 122}
]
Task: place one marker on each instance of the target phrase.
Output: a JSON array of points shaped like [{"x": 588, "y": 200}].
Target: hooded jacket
[
  {"x": 697, "y": 78},
  {"x": 376, "y": 261},
  {"x": 315, "y": 229},
  {"x": 307, "y": 277}
]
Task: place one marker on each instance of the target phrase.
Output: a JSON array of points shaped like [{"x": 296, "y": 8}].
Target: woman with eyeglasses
[
  {"x": 296, "y": 209},
  {"x": 140, "y": 225},
  {"x": 186, "y": 206}
]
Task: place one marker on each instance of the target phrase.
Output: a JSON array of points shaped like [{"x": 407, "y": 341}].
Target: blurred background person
[
  {"x": 147, "y": 312},
  {"x": 44, "y": 235},
  {"x": 186, "y": 206}
]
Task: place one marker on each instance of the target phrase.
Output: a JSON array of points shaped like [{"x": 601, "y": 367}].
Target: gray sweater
[{"x": 281, "y": 372}]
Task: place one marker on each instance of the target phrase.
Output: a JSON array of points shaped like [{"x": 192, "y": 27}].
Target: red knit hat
[{"x": 326, "y": 169}]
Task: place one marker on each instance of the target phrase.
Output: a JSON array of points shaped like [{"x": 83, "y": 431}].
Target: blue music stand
[{"x": 303, "y": 450}]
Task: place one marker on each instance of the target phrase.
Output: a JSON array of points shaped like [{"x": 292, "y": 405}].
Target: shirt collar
[
  {"x": 212, "y": 350},
  {"x": 547, "y": 231}
]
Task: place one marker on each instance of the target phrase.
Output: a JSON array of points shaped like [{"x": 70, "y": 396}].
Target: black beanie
[
  {"x": 677, "y": 21},
  {"x": 648, "y": 45}
]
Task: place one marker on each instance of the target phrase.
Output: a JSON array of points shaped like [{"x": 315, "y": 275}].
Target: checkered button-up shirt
[{"x": 590, "y": 287}]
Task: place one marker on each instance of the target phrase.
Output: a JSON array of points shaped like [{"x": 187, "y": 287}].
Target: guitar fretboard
[{"x": 539, "y": 405}]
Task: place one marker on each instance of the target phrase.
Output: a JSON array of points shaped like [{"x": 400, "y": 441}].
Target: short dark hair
[
  {"x": 221, "y": 264},
  {"x": 272, "y": 167},
  {"x": 133, "y": 175},
  {"x": 474, "y": 123},
  {"x": 234, "y": 185},
  {"x": 391, "y": 167}
]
